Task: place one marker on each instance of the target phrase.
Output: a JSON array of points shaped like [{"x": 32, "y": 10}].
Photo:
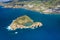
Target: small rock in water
[{"x": 16, "y": 32}]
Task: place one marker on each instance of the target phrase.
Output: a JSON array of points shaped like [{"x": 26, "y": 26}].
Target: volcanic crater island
[{"x": 24, "y": 22}]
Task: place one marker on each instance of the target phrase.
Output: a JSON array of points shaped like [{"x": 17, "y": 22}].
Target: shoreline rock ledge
[{"x": 24, "y": 22}]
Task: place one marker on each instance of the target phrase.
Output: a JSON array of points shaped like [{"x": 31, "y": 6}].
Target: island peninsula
[{"x": 24, "y": 22}]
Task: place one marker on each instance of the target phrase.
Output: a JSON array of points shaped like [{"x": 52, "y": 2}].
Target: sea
[{"x": 49, "y": 31}]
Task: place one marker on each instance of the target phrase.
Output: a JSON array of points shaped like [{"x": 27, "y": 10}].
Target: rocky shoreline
[{"x": 36, "y": 6}]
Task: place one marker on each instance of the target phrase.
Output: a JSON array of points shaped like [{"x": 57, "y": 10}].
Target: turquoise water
[{"x": 49, "y": 31}]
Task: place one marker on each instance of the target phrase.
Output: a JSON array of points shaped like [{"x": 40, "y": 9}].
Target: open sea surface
[{"x": 49, "y": 31}]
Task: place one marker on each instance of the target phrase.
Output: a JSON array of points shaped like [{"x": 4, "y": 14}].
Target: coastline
[
  {"x": 46, "y": 11},
  {"x": 33, "y": 26},
  {"x": 38, "y": 6}
]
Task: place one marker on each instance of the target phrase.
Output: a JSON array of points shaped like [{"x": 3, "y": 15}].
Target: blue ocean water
[{"x": 49, "y": 31}]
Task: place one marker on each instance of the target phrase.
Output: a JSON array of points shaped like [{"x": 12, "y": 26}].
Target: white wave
[{"x": 9, "y": 28}]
